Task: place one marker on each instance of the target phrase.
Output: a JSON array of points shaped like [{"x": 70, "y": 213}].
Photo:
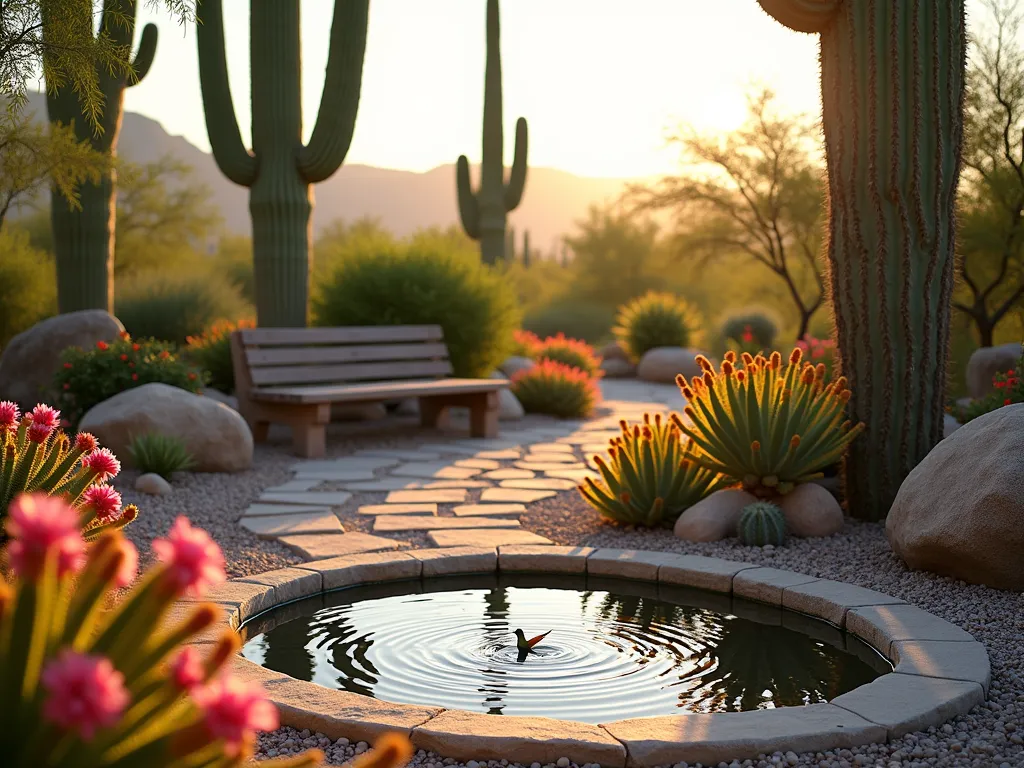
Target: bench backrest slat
[{"x": 324, "y": 356}]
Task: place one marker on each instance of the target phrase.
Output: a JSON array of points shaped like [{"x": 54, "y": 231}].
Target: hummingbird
[{"x": 526, "y": 646}]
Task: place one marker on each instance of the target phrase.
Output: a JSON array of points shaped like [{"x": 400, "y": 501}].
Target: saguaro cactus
[
  {"x": 83, "y": 238},
  {"x": 483, "y": 212},
  {"x": 526, "y": 248},
  {"x": 280, "y": 169},
  {"x": 892, "y": 83}
]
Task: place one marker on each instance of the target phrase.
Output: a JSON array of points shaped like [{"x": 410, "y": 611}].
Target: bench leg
[
  {"x": 434, "y": 413},
  {"x": 483, "y": 415},
  {"x": 310, "y": 440},
  {"x": 260, "y": 431}
]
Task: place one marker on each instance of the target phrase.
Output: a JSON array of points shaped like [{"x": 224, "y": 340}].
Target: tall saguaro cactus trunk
[
  {"x": 484, "y": 212},
  {"x": 892, "y": 80},
  {"x": 280, "y": 170},
  {"x": 83, "y": 238}
]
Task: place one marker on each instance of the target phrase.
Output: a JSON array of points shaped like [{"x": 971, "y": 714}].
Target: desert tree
[{"x": 758, "y": 192}]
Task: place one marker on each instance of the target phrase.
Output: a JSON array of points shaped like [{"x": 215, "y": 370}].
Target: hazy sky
[{"x": 600, "y": 81}]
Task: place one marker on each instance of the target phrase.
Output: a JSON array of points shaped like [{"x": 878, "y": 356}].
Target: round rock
[
  {"x": 617, "y": 368},
  {"x": 811, "y": 510},
  {"x": 515, "y": 364},
  {"x": 662, "y": 364},
  {"x": 153, "y": 484},
  {"x": 715, "y": 517}
]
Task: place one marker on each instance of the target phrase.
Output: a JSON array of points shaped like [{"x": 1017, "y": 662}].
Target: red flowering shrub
[
  {"x": 211, "y": 352},
  {"x": 821, "y": 351},
  {"x": 572, "y": 352},
  {"x": 526, "y": 344},
  {"x": 556, "y": 389},
  {"x": 1009, "y": 390},
  {"x": 90, "y": 376}
]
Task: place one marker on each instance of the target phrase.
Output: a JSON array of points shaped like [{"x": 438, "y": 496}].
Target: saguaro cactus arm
[
  {"x": 144, "y": 56},
  {"x": 517, "y": 176},
  {"x": 234, "y": 161},
  {"x": 811, "y": 16},
  {"x": 469, "y": 208},
  {"x": 336, "y": 120}
]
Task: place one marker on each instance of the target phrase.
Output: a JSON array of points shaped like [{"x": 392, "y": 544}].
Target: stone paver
[
  {"x": 906, "y": 703},
  {"x": 346, "y": 462},
  {"x": 544, "y": 466},
  {"x": 469, "y": 510},
  {"x": 335, "y": 475},
  {"x": 545, "y": 559},
  {"x": 274, "y": 527},
  {"x": 540, "y": 484},
  {"x": 628, "y": 563},
  {"x": 882, "y": 625},
  {"x": 940, "y": 658},
  {"x": 509, "y": 474},
  {"x": 506, "y": 454},
  {"x": 577, "y": 475},
  {"x": 481, "y": 537},
  {"x": 767, "y": 584},
  {"x": 298, "y": 484},
  {"x": 831, "y": 600},
  {"x": 289, "y": 583},
  {"x": 276, "y": 510},
  {"x": 415, "y": 523},
  {"x": 384, "y": 484},
  {"x": 244, "y": 598},
  {"x": 435, "y": 470},
  {"x": 441, "y": 562},
  {"x": 457, "y": 484},
  {"x": 398, "y": 509},
  {"x": 551, "y": 448},
  {"x": 487, "y": 464},
  {"x": 322, "y": 547},
  {"x": 365, "y": 568},
  {"x": 521, "y": 495},
  {"x": 476, "y": 736},
  {"x": 452, "y": 449},
  {"x": 712, "y": 739},
  {"x": 436, "y": 496},
  {"x": 415, "y": 454},
  {"x": 711, "y": 573},
  {"x": 312, "y": 498},
  {"x": 551, "y": 458}
]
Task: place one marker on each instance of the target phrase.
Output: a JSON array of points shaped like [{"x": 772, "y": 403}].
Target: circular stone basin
[{"x": 618, "y": 648}]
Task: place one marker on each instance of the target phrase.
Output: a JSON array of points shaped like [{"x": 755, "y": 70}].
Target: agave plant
[
  {"x": 36, "y": 456},
  {"x": 649, "y": 480},
  {"x": 161, "y": 454},
  {"x": 768, "y": 427},
  {"x": 556, "y": 389}
]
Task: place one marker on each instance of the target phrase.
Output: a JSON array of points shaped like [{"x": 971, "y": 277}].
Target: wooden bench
[{"x": 293, "y": 376}]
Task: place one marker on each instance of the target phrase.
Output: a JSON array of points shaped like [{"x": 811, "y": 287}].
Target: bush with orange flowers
[
  {"x": 525, "y": 344},
  {"x": 211, "y": 352},
  {"x": 87, "y": 684},
  {"x": 90, "y": 376},
  {"x": 766, "y": 426},
  {"x": 556, "y": 389},
  {"x": 572, "y": 352}
]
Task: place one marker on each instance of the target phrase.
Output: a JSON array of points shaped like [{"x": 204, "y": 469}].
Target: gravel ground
[{"x": 991, "y": 735}]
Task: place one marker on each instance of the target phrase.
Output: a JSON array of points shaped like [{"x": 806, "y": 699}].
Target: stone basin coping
[{"x": 939, "y": 670}]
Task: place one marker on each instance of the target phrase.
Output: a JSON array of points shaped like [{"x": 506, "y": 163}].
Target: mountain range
[{"x": 403, "y": 201}]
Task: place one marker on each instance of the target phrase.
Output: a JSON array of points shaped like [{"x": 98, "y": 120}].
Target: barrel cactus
[
  {"x": 648, "y": 480},
  {"x": 766, "y": 426},
  {"x": 751, "y": 330},
  {"x": 657, "y": 320},
  {"x": 484, "y": 212},
  {"x": 762, "y": 523},
  {"x": 892, "y": 91}
]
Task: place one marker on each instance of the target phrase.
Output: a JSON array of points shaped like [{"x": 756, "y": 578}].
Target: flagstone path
[{"x": 461, "y": 492}]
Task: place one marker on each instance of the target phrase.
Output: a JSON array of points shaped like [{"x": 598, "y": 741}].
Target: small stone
[
  {"x": 811, "y": 511},
  {"x": 152, "y": 484},
  {"x": 563, "y": 762}
]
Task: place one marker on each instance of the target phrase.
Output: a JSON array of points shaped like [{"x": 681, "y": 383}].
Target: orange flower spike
[
  {"x": 680, "y": 380},
  {"x": 807, "y": 375},
  {"x": 845, "y": 395},
  {"x": 704, "y": 363},
  {"x": 795, "y": 356},
  {"x": 755, "y": 446},
  {"x": 748, "y": 359},
  {"x": 657, "y": 419},
  {"x": 740, "y": 375},
  {"x": 600, "y": 461},
  {"x": 623, "y": 426},
  {"x": 730, "y": 356},
  {"x": 727, "y": 368},
  {"x": 709, "y": 379},
  {"x": 794, "y": 442},
  {"x": 646, "y": 432},
  {"x": 775, "y": 360},
  {"x": 690, "y": 413},
  {"x": 624, "y": 497}
]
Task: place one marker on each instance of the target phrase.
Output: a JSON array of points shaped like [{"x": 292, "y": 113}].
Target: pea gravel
[{"x": 989, "y": 736}]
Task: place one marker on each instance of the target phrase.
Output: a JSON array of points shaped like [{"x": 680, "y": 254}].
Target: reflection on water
[{"x": 617, "y": 648}]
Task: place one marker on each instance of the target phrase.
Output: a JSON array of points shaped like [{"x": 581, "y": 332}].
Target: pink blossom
[
  {"x": 129, "y": 567},
  {"x": 37, "y": 433},
  {"x": 85, "y": 442},
  {"x": 234, "y": 709},
  {"x": 44, "y": 414},
  {"x": 9, "y": 415},
  {"x": 85, "y": 693},
  {"x": 39, "y": 525},
  {"x": 103, "y": 463},
  {"x": 187, "y": 669},
  {"x": 194, "y": 560},
  {"x": 104, "y": 500}
]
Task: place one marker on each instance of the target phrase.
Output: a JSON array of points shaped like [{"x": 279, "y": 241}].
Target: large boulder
[
  {"x": 617, "y": 368},
  {"x": 216, "y": 436},
  {"x": 986, "y": 363},
  {"x": 662, "y": 364},
  {"x": 960, "y": 512},
  {"x": 32, "y": 358}
]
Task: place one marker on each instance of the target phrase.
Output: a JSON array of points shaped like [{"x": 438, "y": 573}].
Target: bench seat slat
[
  {"x": 266, "y": 356},
  {"x": 376, "y": 391},
  {"x": 370, "y": 334},
  {"x": 336, "y": 374}
]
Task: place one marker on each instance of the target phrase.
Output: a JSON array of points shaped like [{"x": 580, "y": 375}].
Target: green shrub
[
  {"x": 751, "y": 330},
  {"x": 579, "y": 320},
  {"x": 657, "y": 320},
  {"x": 160, "y": 454},
  {"x": 210, "y": 351},
  {"x": 572, "y": 352},
  {"x": 556, "y": 389},
  {"x": 28, "y": 291},
  {"x": 90, "y": 376},
  {"x": 174, "y": 307},
  {"x": 425, "y": 286}
]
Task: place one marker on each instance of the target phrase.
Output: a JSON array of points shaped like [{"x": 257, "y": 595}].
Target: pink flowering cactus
[
  {"x": 819, "y": 351},
  {"x": 36, "y": 455},
  {"x": 80, "y": 680}
]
